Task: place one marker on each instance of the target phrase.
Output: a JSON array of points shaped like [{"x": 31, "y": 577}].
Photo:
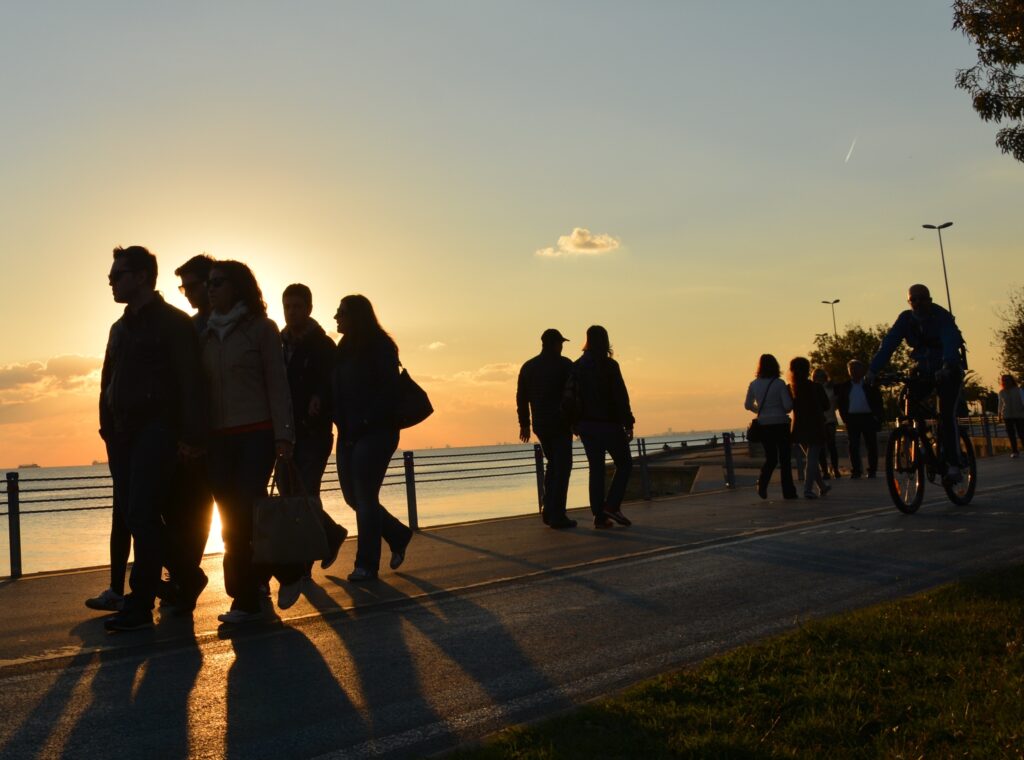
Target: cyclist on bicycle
[{"x": 937, "y": 348}]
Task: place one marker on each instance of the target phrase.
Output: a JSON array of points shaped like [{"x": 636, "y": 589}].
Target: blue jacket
[{"x": 934, "y": 340}]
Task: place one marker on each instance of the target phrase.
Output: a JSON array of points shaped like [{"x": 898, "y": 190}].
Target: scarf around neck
[{"x": 223, "y": 324}]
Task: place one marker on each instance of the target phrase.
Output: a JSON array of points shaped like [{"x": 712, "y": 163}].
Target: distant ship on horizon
[{"x": 28, "y": 466}]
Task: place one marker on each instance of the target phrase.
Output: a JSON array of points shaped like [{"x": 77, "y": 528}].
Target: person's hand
[
  {"x": 629, "y": 434},
  {"x": 314, "y": 406},
  {"x": 524, "y": 433},
  {"x": 284, "y": 448}
]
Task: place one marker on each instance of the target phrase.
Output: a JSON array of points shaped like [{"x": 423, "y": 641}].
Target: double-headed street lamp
[
  {"x": 833, "y": 305},
  {"x": 939, "y": 228}
]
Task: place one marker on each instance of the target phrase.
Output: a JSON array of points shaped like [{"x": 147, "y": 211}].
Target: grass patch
[{"x": 940, "y": 674}]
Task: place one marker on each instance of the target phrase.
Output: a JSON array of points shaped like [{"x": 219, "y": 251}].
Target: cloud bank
[{"x": 581, "y": 242}]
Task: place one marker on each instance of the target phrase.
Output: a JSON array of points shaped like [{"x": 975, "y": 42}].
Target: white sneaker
[
  {"x": 234, "y": 617},
  {"x": 108, "y": 601},
  {"x": 1013, "y": 455},
  {"x": 288, "y": 594}
]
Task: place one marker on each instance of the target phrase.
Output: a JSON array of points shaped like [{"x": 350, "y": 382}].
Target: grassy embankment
[{"x": 940, "y": 675}]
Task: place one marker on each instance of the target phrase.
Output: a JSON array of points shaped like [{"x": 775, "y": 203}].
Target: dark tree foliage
[
  {"x": 1010, "y": 337},
  {"x": 856, "y": 342},
  {"x": 996, "y": 82}
]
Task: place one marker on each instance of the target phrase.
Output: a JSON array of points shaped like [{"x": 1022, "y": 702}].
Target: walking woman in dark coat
[
  {"x": 810, "y": 403},
  {"x": 365, "y": 385},
  {"x": 605, "y": 425}
]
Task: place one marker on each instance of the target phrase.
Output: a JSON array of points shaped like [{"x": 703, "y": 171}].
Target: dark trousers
[
  {"x": 310, "y": 458},
  {"x": 864, "y": 426},
  {"x": 142, "y": 465},
  {"x": 1014, "y": 429},
  {"x": 557, "y": 450},
  {"x": 187, "y": 520},
  {"x": 120, "y": 541},
  {"x": 829, "y": 451},
  {"x": 949, "y": 400},
  {"x": 362, "y": 465},
  {"x": 596, "y": 444},
  {"x": 239, "y": 467},
  {"x": 778, "y": 452}
]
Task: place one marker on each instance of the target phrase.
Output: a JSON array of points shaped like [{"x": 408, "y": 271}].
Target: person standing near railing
[
  {"x": 604, "y": 423},
  {"x": 1011, "y": 410},
  {"x": 309, "y": 358},
  {"x": 366, "y": 385},
  {"x": 769, "y": 398},
  {"x": 539, "y": 394},
  {"x": 251, "y": 427},
  {"x": 149, "y": 417}
]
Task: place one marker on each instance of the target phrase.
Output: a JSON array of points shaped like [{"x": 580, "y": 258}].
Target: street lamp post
[
  {"x": 833, "y": 305},
  {"x": 939, "y": 228}
]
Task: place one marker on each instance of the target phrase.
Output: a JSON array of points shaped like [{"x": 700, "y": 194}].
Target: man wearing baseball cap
[{"x": 539, "y": 394}]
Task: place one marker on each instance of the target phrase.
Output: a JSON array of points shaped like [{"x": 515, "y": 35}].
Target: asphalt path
[{"x": 491, "y": 624}]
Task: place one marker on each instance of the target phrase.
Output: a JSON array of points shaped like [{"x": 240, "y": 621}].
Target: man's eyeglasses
[
  {"x": 216, "y": 282},
  {"x": 117, "y": 274},
  {"x": 185, "y": 287}
]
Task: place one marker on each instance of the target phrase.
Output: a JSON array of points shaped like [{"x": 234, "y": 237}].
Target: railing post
[
  {"x": 730, "y": 468},
  {"x": 14, "y": 523},
  {"x": 988, "y": 434},
  {"x": 410, "y": 489},
  {"x": 538, "y": 461},
  {"x": 645, "y": 476}
]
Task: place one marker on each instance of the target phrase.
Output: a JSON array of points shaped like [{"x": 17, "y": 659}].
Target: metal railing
[{"x": 410, "y": 468}]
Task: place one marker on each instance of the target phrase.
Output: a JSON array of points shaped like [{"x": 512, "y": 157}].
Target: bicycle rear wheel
[
  {"x": 961, "y": 493},
  {"x": 904, "y": 469}
]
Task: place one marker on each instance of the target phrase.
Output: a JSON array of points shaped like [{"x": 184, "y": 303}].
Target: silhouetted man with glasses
[{"x": 148, "y": 417}]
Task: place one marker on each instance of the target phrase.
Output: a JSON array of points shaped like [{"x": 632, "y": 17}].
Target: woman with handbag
[
  {"x": 768, "y": 397},
  {"x": 252, "y": 425},
  {"x": 366, "y": 386}
]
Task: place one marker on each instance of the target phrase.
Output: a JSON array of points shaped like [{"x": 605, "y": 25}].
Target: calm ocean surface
[{"x": 452, "y": 485}]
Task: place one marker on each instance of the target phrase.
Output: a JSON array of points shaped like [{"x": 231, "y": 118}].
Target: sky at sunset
[{"x": 695, "y": 176}]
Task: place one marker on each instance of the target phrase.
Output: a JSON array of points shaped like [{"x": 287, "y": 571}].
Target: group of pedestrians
[
  {"x": 587, "y": 398},
  {"x": 937, "y": 351},
  {"x": 203, "y": 409}
]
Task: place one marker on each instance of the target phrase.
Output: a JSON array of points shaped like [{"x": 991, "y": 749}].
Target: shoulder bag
[
  {"x": 754, "y": 432},
  {"x": 413, "y": 403}
]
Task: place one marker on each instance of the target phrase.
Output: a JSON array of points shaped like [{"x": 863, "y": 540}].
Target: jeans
[
  {"x": 862, "y": 426},
  {"x": 777, "y": 453},
  {"x": 142, "y": 465},
  {"x": 596, "y": 444},
  {"x": 1014, "y": 429},
  {"x": 240, "y": 465},
  {"x": 362, "y": 465},
  {"x": 949, "y": 397},
  {"x": 812, "y": 472},
  {"x": 188, "y": 515},
  {"x": 558, "y": 453},
  {"x": 829, "y": 451}
]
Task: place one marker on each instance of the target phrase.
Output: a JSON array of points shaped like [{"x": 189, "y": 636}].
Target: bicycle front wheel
[
  {"x": 904, "y": 469},
  {"x": 961, "y": 493}
]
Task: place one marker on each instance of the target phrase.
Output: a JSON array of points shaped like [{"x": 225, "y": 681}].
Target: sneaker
[
  {"x": 952, "y": 477},
  {"x": 288, "y": 594},
  {"x": 561, "y": 523},
  {"x": 825, "y": 489},
  {"x": 236, "y": 617},
  {"x": 810, "y": 495},
  {"x": 620, "y": 518},
  {"x": 398, "y": 556},
  {"x": 108, "y": 601},
  {"x": 1013, "y": 455},
  {"x": 333, "y": 549},
  {"x": 129, "y": 620},
  {"x": 361, "y": 574},
  {"x": 603, "y": 522}
]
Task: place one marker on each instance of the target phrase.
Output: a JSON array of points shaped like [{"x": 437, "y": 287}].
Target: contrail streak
[{"x": 850, "y": 151}]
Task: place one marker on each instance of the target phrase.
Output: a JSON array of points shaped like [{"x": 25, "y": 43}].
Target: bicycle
[{"x": 914, "y": 452}]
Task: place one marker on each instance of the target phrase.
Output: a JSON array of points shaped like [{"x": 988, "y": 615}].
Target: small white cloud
[
  {"x": 435, "y": 346},
  {"x": 500, "y": 372},
  {"x": 60, "y": 371},
  {"x": 581, "y": 242}
]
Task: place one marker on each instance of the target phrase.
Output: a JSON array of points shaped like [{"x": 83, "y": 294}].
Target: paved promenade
[{"x": 487, "y": 624}]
